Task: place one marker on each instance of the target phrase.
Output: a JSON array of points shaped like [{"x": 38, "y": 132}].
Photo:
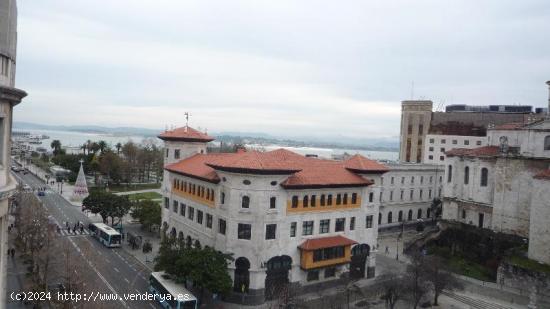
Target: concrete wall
[{"x": 539, "y": 229}]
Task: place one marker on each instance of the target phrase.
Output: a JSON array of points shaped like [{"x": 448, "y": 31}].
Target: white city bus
[
  {"x": 106, "y": 234},
  {"x": 170, "y": 294}
]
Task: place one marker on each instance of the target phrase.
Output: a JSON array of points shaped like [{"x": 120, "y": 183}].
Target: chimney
[{"x": 548, "y": 110}]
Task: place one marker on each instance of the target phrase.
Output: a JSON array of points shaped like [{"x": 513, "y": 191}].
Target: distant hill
[{"x": 342, "y": 142}]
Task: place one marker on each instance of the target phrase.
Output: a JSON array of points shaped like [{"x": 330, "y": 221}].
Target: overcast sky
[{"x": 319, "y": 68}]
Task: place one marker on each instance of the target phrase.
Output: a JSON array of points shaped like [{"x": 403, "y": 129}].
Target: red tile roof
[
  {"x": 485, "y": 151},
  {"x": 359, "y": 164},
  {"x": 303, "y": 172},
  {"x": 185, "y": 134},
  {"x": 326, "y": 242},
  {"x": 545, "y": 174}
]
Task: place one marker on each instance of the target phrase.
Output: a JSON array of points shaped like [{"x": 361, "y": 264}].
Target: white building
[
  {"x": 9, "y": 97},
  {"x": 504, "y": 185},
  {"x": 407, "y": 192},
  {"x": 436, "y": 145},
  {"x": 289, "y": 220}
]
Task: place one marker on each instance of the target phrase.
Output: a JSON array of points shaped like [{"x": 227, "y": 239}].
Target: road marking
[
  {"x": 116, "y": 269},
  {"x": 152, "y": 306},
  {"x": 126, "y": 280}
]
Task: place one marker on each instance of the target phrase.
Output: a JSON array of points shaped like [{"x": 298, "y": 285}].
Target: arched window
[
  {"x": 222, "y": 198},
  {"x": 242, "y": 275},
  {"x": 294, "y": 201},
  {"x": 547, "y": 143},
  {"x": 400, "y": 216},
  {"x": 306, "y": 201},
  {"x": 450, "y": 173},
  {"x": 466, "y": 175},
  {"x": 389, "y": 217},
  {"x": 245, "y": 202},
  {"x": 410, "y": 216},
  {"x": 419, "y": 214},
  {"x": 484, "y": 177},
  {"x": 379, "y": 218},
  {"x": 428, "y": 212}
]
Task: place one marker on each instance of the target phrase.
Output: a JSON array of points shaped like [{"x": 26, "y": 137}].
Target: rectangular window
[
  {"x": 338, "y": 199},
  {"x": 431, "y": 149},
  {"x": 244, "y": 231},
  {"x": 330, "y": 272},
  {"x": 323, "y": 200},
  {"x": 430, "y": 157},
  {"x": 421, "y": 179},
  {"x": 270, "y": 231},
  {"x": 369, "y": 222},
  {"x": 391, "y": 195},
  {"x": 209, "y": 221},
  {"x": 324, "y": 226},
  {"x": 313, "y": 201},
  {"x": 191, "y": 213},
  {"x": 329, "y": 200},
  {"x": 167, "y": 152},
  {"x": 455, "y": 142},
  {"x": 354, "y": 198},
  {"x": 466, "y": 142},
  {"x": 221, "y": 226},
  {"x": 392, "y": 180},
  {"x": 176, "y": 153},
  {"x": 430, "y": 193},
  {"x": 166, "y": 203},
  {"x": 443, "y": 141},
  {"x": 328, "y": 253},
  {"x": 412, "y": 180},
  {"x": 182, "y": 209},
  {"x": 313, "y": 275},
  {"x": 442, "y": 149},
  {"x": 307, "y": 228},
  {"x": 340, "y": 224},
  {"x": 402, "y": 180},
  {"x": 199, "y": 216},
  {"x": 421, "y": 193},
  {"x": 411, "y": 194},
  {"x": 294, "y": 202},
  {"x": 402, "y": 194},
  {"x": 371, "y": 197},
  {"x": 273, "y": 202},
  {"x": 381, "y": 195},
  {"x": 292, "y": 229},
  {"x": 432, "y": 140},
  {"x": 478, "y": 143},
  {"x": 352, "y": 223},
  {"x": 345, "y": 202},
  {"x": 175, "y": 206}
]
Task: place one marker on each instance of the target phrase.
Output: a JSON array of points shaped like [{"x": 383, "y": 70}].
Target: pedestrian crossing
[{"x": 65, "y": 232}]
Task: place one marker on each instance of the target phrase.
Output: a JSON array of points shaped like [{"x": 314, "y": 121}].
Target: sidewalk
[{"x": 15, "y": 275}]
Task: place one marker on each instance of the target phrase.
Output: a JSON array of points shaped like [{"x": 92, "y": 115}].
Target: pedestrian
[
  {"x": 81, "y": 229},
  {"x": 67, "y": 224},
  {"x": 12, "y": 253},
  {"x": 387, "y": 250}
]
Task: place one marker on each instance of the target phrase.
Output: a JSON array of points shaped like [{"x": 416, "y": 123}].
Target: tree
[
  {"x": 118, "y": 146},
  {"x": 102, "y": 146},
  {"x": 111, "y": 165},
  {"x": 107, "y": 205},
  {"x": 416, "y": 277},
  {"x": 392, "y": 289},
  {"x": 440, "y": 277},
  {"x": 435, "y": 208},
  {"x": 147, "y": 212},
  {"x": 56, "y": 146},
  {"x": 204, "y": 266}
]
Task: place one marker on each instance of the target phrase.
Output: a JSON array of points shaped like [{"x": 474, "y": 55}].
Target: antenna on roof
[{"x": 187, "y": 118}]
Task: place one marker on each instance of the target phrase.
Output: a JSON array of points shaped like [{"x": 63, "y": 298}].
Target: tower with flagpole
[{"x": 80, "y": 191}]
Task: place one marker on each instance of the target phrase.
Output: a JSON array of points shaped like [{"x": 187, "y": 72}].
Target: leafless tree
[
  {"x": 440, "y": 277},
  {"x": 392, "y": 289},
  {"x": 417, "y": 284}
]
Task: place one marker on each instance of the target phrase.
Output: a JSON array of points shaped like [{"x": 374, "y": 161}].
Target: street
[{"x": 102, "y": 269}]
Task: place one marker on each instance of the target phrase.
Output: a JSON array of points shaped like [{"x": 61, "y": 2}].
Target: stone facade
[
  {"x": 436, "y": 145},
  {"x": 277, "y": 229},
  {"x": 503, "y": 185},
  {"x": 415, "y": 123},
  {"x": 9, "y": 97}
]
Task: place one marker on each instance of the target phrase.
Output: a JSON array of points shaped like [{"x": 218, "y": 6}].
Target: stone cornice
[{"x": 12, "y": 95}]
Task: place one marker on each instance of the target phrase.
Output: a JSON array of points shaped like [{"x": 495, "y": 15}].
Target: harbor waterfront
[{"x": 76, "y": 139}]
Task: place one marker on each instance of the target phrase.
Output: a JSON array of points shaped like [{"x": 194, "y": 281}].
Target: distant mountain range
[{"x": 342, "y": 142}]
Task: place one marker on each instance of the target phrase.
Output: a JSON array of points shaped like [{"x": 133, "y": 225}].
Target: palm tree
[
  {"x": 102, "y": 146},
  {"x": 56, "y": 146},
  {"x": 84, "y": 147},
  {"x": 118, "y": 146}
]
